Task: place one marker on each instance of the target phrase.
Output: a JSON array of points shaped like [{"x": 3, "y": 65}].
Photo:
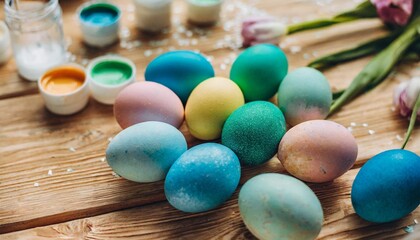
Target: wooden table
[{"x": 55, "y": 184}]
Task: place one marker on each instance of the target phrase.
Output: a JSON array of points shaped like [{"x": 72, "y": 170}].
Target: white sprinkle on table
[
  {"x": 365, "y": 125},
  {"x": 50, "y": 172},
  {"x": 371, "y": 132},
  {"x": 70, "y": 170},
  {"x": 36, "y": 184},
  {"x": 353, "y": 124},
  {"x": 72, "y": 149},
  {"x": 103, "y": 159},
  {"x": 399, "y": 138}
]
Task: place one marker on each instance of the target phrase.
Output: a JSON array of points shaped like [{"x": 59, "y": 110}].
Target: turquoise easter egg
[
  {"x": 387, "y": 187},
  {"x": 144, "y": 152},
  {"x": 203, "y": 178},
  {"x": 304, "y": 95},
  {"x": 181, "y": 71},
  {"x": 277, "y": 206},
  {"x": 259, "y": 70},
  {"x": 254, "y": 131}
]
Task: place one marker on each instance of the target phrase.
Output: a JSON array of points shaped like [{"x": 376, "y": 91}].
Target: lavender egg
[
  {"x": 148, "y": 101},
  {"x": 317, "y": 151},
  {"x": 304, "y": 94}
]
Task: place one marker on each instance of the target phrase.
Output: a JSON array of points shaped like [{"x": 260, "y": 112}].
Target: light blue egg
[
  {"x": 304, "y": 95},
  {"x": 181, "y": 71},
  {"x": 203, "y": 178},
  {"x": 277, "y": 206},
  {"x": 145, "y": 151},
  {"x": 387, "y": 187}
]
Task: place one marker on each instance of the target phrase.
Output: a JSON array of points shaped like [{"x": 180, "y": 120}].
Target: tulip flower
[
  {"x": 407, "y": 101},
  {"x": 257, "y": 30},
  {"x": 395, "y": 12},
  {"x": 405, "y": 96}
]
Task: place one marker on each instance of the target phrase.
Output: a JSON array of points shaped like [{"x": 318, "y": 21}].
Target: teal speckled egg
[
  {"x": 254, "y": 131},
  {"x": 304, "y": 94},
  {"x": 277, "y": 206},
  {"x": 259, "y": 70},
  {"x": 145, "y": 151}
]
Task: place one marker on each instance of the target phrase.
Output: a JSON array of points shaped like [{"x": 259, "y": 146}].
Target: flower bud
[
  {"x": 257, "y": 30},
  {"x": 405, "y": 96},
  {"x": 395, "y": 12}
]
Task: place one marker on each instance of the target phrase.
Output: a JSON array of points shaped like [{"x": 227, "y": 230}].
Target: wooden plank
[
  {"x": 33, "y": 141},
  {"x": 161, "y": 221}
]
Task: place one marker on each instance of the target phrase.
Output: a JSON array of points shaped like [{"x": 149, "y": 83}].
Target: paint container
[
  {"x": 153, "y": 15},
  {"x": 108, "y": 75},
  {"x": 37, "y": 36},
  {"x": 4, "y": 43},
  {"x": 204, "y": 12},
  {"x": 99, "y": 21},
  {"x": 64, "y": 89}
]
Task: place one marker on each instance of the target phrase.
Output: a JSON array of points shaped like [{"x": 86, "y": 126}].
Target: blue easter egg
[
  {"x": 181, "y": 71},
  {"x": 145, "y": 151},
  {"x": 203, "y": 178},
  {"x": 387, "y": 187}
]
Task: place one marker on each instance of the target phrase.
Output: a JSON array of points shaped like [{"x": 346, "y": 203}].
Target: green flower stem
[
  {"x": 380, "y": 66},
  {"x": 413, "y": 119},
  {"x": 363, "y": 10}
]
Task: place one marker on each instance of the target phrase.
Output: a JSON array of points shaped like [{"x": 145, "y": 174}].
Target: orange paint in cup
[{"x": 63, "y": 80}]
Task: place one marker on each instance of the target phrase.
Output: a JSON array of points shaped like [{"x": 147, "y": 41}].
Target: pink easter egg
[{"x": 148, "y": 101}]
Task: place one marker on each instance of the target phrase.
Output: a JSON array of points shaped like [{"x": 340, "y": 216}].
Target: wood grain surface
[{"x": 55, "y": 184}]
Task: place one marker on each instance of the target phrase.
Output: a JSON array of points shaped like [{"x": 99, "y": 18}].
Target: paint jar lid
[{"x": 108, "y": 75}]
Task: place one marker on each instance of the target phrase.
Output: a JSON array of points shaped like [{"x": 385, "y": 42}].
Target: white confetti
[
  {"x": 50, "y": 172},
  {"x": 353, "y": 124},
  {"x": 72, "y": 149},
  {"x": 365, "y": 125},
  {"x": 399, "y": 138},
  {"x": 70, "y": 170},
  {"x": 103, "y": 159},
  {"x": 371, "y": 132},
  {"x": 295, "y": 49},
  {"x": 36, "y": 184}
]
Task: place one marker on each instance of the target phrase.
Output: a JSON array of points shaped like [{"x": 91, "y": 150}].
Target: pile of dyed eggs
[{"x": 182, "y": 85}]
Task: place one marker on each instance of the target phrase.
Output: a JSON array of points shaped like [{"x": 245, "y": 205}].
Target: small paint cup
[
  {"x": 5, "y": 51},
  {"x": 99, "y": 21},
  {"x": 108, "y": 75},
  {"x": 64, "y": 89},
  {"x": 204, "y": 12},
  {"x": 153, "y": 15}
]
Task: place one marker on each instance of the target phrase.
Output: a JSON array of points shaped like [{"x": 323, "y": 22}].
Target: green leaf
[
  {"x": 363, "y": 10},
  {"x": 413, "y": 119},
  {"x": 380, "y": 66},
  {"x": 362, "y": 50}
]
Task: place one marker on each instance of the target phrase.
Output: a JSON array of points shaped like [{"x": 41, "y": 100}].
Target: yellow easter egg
[{"x": 209, "y": 105}]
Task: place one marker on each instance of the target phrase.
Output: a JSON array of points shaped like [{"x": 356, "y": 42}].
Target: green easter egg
[
  {"x": 304, "y": 95},
  {"x": 254, "y": 131},
  {"x": 259, "y": 70}
]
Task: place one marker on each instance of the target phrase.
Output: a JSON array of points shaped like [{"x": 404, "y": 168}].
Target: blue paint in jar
[{"x": 103, "y": 14}]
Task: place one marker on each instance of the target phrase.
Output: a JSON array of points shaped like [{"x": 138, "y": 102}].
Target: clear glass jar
[{"x": 36, "y": 30}]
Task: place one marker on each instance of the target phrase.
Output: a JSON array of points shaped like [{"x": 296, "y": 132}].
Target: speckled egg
[
  {"x": 304, "y": 94},
  {"x": 277, "y": 206},
  {"x": 148, "y": 101},
  {"x": 317, "y": 151},
  {"x": 259, "y": 70},
  {"x": 254, "y": 131},
  {"x": 387, "y": 187},
  {"x": 203, "y": 178},
  {"x": 209, "y": 105},
  {"x": 145, "y": 151},
  {"x": 181, "y": 71}
]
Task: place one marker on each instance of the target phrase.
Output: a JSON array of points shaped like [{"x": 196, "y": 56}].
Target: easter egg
[
  {"x": 254, "y": 131},
  {"x": 209, "y": 105},
  {"x": 317, "y": 151},
  {"x": 303, "y": 95},
  {"x": 259, "y": 70},
  {"x": 387, "y": 187},
  {"x": 277, "y": 206},
  {"x": 203, "y": 178},
  {"x": 145, "y": 151},
  {"x": 148, "y": 101},
  {"x": 181, "y": 71}
]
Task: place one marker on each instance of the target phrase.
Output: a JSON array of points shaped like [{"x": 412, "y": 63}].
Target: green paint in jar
[{"x": 112, "y": 72}]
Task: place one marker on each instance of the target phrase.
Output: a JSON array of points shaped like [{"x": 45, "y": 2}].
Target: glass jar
[{"x": 36, "y": 31}]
